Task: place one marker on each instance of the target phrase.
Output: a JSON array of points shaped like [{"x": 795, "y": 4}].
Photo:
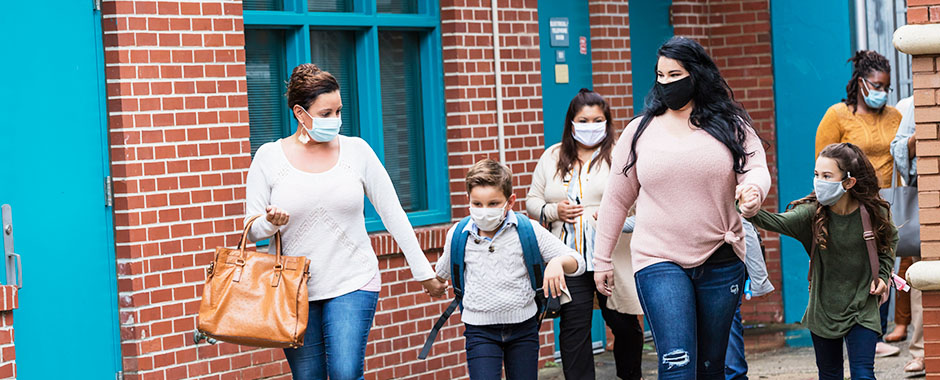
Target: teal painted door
[
  {"x": 649, "y": 29},
  {"x": 810, "y": 73},
  {"x": 559, "y": 55},
  {"x": 53, "y": 149},
  {"x": 565, "y": 48}
]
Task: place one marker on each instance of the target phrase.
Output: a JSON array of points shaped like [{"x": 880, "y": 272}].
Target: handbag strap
[
  {"x": 244, "y": 239},
  {"x": 870, "y": 245}
]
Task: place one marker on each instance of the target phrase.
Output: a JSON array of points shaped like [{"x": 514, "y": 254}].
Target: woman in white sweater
[
  {"x": 311, "y": 186},
  {"x": 566, "y": 191}
]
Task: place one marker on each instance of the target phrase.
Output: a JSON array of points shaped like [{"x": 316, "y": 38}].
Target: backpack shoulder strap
[
  {"x": 534, "y": 263},
  {"x": 869, "y": 236},
  {"x": 458, "y": 245}
]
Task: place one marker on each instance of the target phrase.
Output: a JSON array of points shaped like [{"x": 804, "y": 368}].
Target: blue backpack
[{"x": 533, "y": 262}]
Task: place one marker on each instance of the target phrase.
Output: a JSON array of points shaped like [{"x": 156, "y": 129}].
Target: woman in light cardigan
[{"x": 566, "y": 191}]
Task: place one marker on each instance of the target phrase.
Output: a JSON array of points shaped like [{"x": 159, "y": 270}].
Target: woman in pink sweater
[{"x": 684, "y": 162}]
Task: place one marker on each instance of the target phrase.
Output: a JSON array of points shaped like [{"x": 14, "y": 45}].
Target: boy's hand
[
  {"x": 604, "y": 281},
  {"x": 435, "y": 287},
  {"x": 554, "y": 280}
]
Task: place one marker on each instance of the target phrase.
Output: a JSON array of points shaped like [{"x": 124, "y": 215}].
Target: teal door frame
[
  {"x": 810, "y": 50},
  {"x": 557, "y": 96},
  {"x": 649, "y": 29},
  {"x": 55, "y": 170}
]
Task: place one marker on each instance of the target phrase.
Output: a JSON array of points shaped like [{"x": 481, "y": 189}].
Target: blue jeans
[
  {"x": 735, "y": 364},
  {"x": 516, "y": 345},
  {"x": 335, "y": 340},
  {"x": 690, "y": 312},
  {"x": 860, "y": 342}
]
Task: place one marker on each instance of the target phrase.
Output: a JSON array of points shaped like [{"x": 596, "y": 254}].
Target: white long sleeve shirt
[{"x": 327, "y": 224}]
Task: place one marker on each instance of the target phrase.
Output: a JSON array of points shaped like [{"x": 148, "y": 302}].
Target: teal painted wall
[{"x": 810, "y": 49}]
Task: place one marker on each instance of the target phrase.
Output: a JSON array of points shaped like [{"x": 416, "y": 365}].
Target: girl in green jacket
[{"x": 844, "y": 298}]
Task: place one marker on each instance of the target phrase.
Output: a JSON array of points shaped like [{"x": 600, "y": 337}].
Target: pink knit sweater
[{"x": 684, "y": 193}]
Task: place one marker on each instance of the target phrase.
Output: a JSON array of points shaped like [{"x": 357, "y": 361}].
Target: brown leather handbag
[{"x": 254, "y": 298}]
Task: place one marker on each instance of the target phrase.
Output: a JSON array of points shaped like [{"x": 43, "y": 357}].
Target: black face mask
[{"x": 676, "y": 94}]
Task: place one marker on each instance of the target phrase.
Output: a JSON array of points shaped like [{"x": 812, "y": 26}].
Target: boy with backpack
[{"x": 498, "y": 259}]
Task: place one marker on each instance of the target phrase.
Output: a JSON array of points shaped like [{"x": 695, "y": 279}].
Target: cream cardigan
[{"x": 548, "y": 189}]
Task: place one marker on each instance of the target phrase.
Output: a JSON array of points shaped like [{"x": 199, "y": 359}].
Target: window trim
[{"x": 365, "y": 21}]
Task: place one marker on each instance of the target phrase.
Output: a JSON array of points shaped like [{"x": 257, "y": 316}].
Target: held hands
[
  {"x": 435, "y": 287},
  {"x": 879, "y": 288},
  {"x": 604, "y": 281},
  {"x": 554, "y": 280},
  {"x": 277, "y": 216},
  {"x": 749, "y": 201},
  {"x": 567, "y": 212}
]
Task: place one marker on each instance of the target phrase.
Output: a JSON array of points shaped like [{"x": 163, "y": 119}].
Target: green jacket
[{"x": 841, "y": 278}]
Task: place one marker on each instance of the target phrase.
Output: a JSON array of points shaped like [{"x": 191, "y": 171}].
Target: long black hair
[
  {"x": 864, "y": 63},
  {"x": 568, "y": 151},
  {"x": 715, "y": 109}
]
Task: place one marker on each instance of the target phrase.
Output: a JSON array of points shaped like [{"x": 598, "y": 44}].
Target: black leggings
[{"x": 577, "y": 357}]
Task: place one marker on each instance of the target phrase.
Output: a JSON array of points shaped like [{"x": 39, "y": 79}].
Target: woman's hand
[
  {"x": 879, "y": 288},
  {"x": 277, "y": 216},
  {"x": 554, "y": 280},
  {"x": 748, "y": 200},
  {"x": 567, "y": 211},
  {"x": 435, "y": 287},
  {"x": 604, "y": 281}
]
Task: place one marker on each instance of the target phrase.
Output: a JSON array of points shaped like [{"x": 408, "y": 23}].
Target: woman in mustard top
[{"x": 863, "y": 118}]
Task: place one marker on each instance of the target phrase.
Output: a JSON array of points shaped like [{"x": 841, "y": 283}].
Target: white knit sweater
[
  {"x": 497, "y": 289},
  {"x": 327, "y": 224}
]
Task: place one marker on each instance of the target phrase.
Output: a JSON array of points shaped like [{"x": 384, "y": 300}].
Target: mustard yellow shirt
[{"x": 872, "y": 133}]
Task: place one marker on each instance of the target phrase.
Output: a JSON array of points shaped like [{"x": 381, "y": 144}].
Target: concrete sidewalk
[{"x": 782, "y": 352}]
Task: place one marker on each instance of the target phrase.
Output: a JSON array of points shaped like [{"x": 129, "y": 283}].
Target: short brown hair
[
  {"x": 488, "y": 172},
  {"x": 307, "y": 83}
]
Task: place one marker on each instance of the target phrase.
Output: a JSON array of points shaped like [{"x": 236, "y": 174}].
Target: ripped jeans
[{"x": 690, "y": 313}]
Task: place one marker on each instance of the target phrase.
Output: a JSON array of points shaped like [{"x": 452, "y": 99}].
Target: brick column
[
  {"x": 921, "y": 39},
  {"x": 9, "y": 302},
  {"x": 178, "y": 125}
]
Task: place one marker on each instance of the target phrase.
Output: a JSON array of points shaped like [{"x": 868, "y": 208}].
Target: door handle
[{"x": 14, "y": 276}]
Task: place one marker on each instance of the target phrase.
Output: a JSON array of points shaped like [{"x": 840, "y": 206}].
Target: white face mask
[
  {"x": 828, "y": 192},
  {"x": 488, "y": 219},
  {"x": 589, "y": 134},
  {"x": 324, "y": 129}
]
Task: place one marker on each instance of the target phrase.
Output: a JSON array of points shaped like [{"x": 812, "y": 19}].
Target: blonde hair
[{"x": 488, "y": 172}]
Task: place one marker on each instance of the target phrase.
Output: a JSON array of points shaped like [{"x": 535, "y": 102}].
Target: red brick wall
[
  {"x": 737, "y": 35},
  {"x": 8, "y": 303},
  {"x": 178, "y": 125},
  {"x": 610, "y": 57}
]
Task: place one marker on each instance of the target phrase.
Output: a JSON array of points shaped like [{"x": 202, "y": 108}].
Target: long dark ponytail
[{"x": 715, "y": 109}]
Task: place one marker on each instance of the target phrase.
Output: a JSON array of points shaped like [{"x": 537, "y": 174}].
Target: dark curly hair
[
  {"x": 864, "y": 63},
  {"x": 851, "y": 160},
  {"x": 715, "y": 109},
  {"x": 307, "y": 83}
]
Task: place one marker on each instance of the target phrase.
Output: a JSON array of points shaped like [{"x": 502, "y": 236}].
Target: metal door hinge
[
  {"x": 119, "y": 375},
  {"x": 97, "y": 4},
  {"x": 108, "y": 192}
]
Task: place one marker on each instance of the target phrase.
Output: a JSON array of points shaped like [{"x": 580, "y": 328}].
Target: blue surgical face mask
[
  {"x": 828, "y": 192},
  {"x": 324, "y": 129},
  {"x": 875, "y": 99}
]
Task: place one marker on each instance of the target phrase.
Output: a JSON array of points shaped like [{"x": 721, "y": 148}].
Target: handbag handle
[{"x": 244, "y": 239}]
